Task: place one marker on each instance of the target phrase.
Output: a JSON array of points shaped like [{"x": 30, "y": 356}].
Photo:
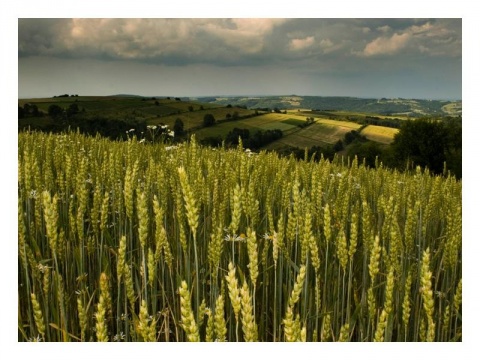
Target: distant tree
[
  {"x": 350, "y": 136},
  {"x": 27, "y": 108},
  {"x": 229, "y": 106},
  {"x": 72, "y": 109},
  {"x": 214, "y": 141},
  {"x": 208, "y": 120},
  {"x": 421, "y": 142},
  {"x": 235, "y": 134},
  {"x": 178, "y": 127},
  {"x": 367, "y": 152},
  {"x": 201, "y": 107},
  {"x": 235, "y": 115},
  {"x": 228, "y": 116},
  {"x": 190, "y": 108},
  {"x": 157, "y": 103},
  {"x": 338, "y": 146},
  {"x": 55, "y": 111},
  {"x": 453, "y": 155},
  {"x": 35, "y": 111}
]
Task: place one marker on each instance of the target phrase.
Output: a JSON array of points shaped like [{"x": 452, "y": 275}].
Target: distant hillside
[{"x": 394, "y": 107}]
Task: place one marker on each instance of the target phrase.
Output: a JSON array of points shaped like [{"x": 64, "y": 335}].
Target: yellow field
[
  {"x": 379, "y": 134},
  {"x": 341, "y": 124}
]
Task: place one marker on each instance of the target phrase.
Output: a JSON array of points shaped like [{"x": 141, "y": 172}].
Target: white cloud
[
  {"x": 386, "y": 45},
  {"x": 384, "y": 29},
  {"x": 301, "y": 44}
]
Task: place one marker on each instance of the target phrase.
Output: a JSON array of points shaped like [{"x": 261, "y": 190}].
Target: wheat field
[{"x": 129, "y": 241}]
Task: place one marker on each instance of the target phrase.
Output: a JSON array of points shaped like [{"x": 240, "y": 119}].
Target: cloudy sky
[{"x": 410, "y": 58}]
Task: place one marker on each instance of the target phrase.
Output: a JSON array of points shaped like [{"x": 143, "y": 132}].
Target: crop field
[
  {"x": 264, "y": 122},
  {"x": 379, "y": 134},
  {"x": 131, "y": 241},
  {"x": 322, "y": 132}
]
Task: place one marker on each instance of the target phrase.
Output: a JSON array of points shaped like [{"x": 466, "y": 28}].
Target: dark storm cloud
[{"x": 238, "y": 41}]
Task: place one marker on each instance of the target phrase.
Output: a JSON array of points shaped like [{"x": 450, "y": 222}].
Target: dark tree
[
  {"x": 34, "y": 111},
  {"x": 214, "y": 141},
  {"x": 453, "y": 153},
  {"x": 421, "y": 143},
  {"x": 178, "y": 127},
  {"x": 366, "y": 152},
  {"x": 208, "y": 120},
  {"x": 21, "y": 112},
  {"x": 338, "y": 146},
  {"x": 235, "y": 134},
  {"x": 27, "y": 108},
  {"x": 55, "y": 111},
  {"x": 190, "y": 108},
  {"x": 73, "y": 109}
]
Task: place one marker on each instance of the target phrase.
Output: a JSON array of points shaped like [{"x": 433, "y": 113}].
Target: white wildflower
[
  {"x": 35, "y": 339},
  {"x": 33, "y": 194},
  {"x": 234, "y": 237},
  {"x": 119, "y": 337}
]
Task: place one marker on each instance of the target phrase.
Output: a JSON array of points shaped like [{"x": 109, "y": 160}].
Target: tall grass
[{"x": 126, "y": 241}]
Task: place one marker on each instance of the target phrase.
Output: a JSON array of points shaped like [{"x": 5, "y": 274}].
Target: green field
[
  {"x": 193, "y": 119},
  {"x": 130, "y": 108},
  {"x": 323, "y": 132}
]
